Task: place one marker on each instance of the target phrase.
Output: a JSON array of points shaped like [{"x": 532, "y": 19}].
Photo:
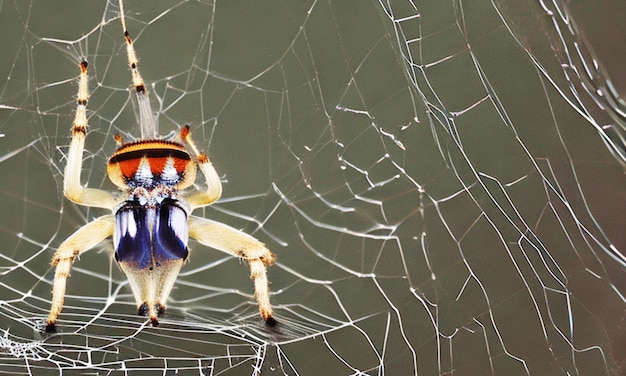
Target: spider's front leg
[
  {"x": 227, "y": 239},
  {"x": 92, "y": 233},
  {"x": 72, "y": 187},
  {"x": 80, "y": 241}
]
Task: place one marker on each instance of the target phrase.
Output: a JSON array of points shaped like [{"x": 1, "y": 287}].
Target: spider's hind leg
[{"x": 237, "y": 243}]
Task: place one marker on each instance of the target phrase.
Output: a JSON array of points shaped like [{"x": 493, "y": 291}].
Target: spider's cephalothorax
[
  {"x": 152, "y": 163},
  {"x": 152, "y": 221}
]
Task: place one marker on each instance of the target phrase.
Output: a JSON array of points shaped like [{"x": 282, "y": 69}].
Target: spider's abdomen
[
  {"x": 149, "y": 163},
  {"x": 150, "y": 247},
  {"x": 149, "y": 236}
]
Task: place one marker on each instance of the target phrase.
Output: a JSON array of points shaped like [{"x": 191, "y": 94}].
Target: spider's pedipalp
[{"x": 214, "y": 186}]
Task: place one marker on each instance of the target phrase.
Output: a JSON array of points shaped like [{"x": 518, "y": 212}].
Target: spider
[{"x": 151, "y": 218}]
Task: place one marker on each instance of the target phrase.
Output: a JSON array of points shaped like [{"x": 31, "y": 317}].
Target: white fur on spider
[
  {"x": 144, "y": 177},
  {"x": 170, "y": 176}
]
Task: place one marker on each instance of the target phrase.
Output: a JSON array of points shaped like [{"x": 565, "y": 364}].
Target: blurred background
[{"x": 442, "y": 182}]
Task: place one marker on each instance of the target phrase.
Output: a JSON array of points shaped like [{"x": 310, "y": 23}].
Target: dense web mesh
[{"x": 442, "y": 182}]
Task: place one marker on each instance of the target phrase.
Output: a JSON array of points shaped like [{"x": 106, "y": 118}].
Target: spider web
[{"x": 442, "y": 182}]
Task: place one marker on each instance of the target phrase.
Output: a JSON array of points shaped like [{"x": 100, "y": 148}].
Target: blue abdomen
[{"x": 147, "y": 236}]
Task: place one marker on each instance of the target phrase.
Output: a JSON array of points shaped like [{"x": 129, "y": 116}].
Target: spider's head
[{"x": 151, "y": 163}]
